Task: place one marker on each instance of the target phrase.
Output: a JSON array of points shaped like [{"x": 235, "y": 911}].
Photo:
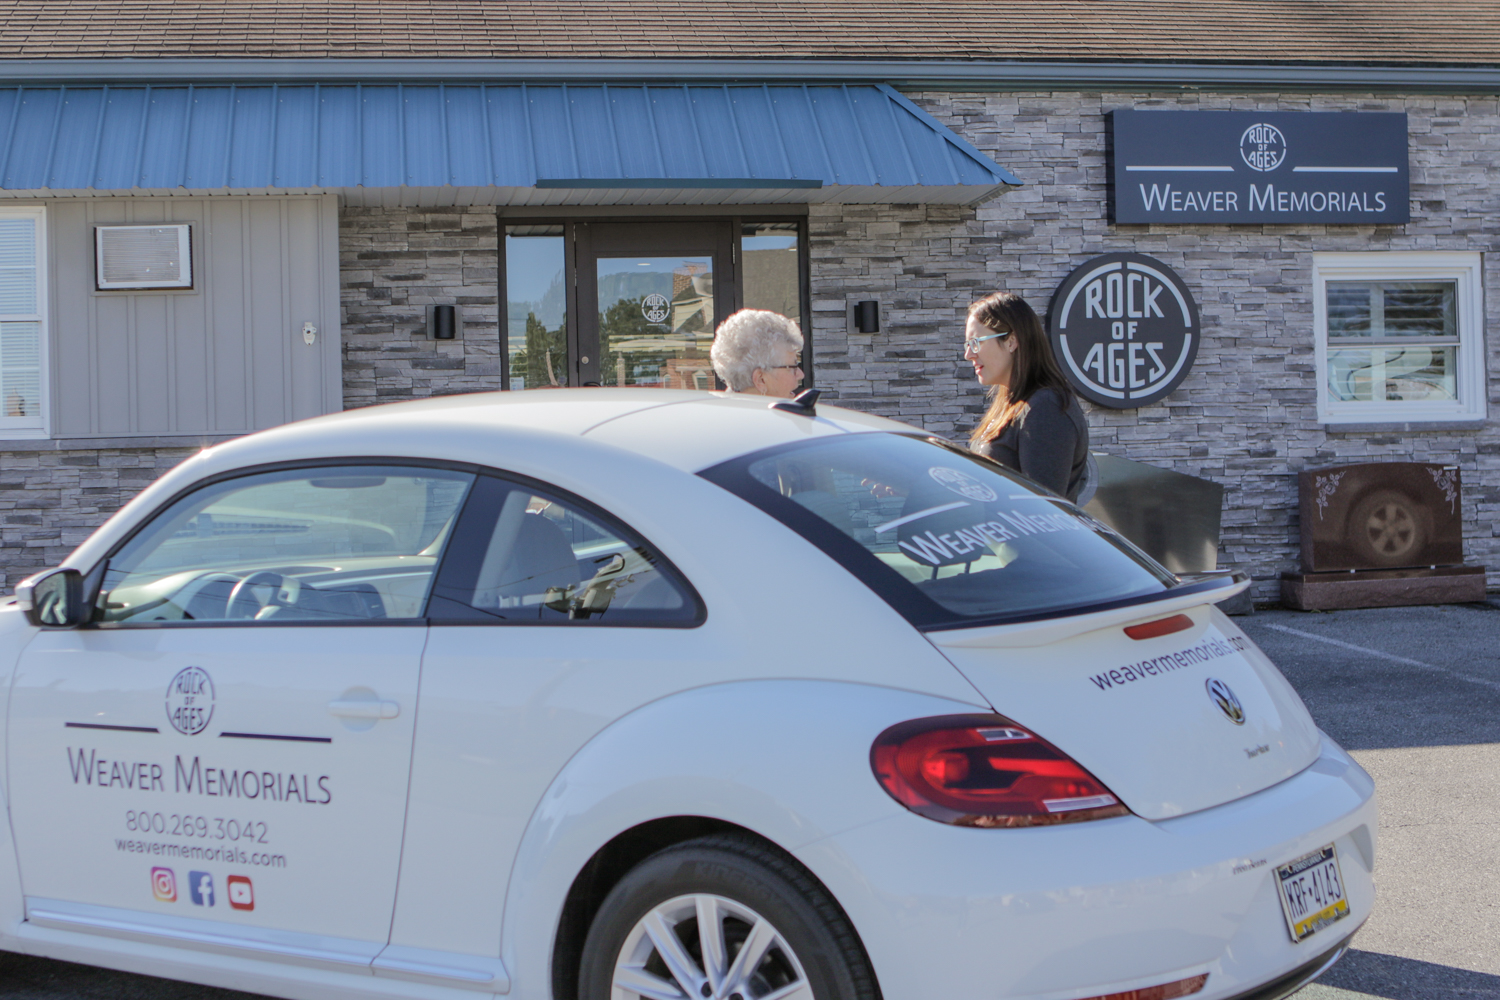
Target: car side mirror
[{"x": 53, "y": 599}]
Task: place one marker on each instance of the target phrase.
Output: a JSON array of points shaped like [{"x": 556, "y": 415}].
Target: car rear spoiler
[{"x": 1203, "y": 588}]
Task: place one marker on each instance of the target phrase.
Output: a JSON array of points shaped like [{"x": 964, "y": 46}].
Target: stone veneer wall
[
  {"x": 51, "y": 499},
  {"x": 1246, "y": 415},
  {"x": 393, "y": 263}
]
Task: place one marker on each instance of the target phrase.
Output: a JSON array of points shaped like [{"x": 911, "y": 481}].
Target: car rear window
[{"x": 948, "y": 538}]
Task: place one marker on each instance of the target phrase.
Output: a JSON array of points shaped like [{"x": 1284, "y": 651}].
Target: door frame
[{"x": 579, "y": 227}]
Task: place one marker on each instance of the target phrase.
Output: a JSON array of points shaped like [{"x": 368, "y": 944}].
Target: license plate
[{"x": 1312, "y": 892}]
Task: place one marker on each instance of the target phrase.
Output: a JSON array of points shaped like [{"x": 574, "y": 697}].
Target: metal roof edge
[
  {"x": 953, "y": 137},
  {"x": 529, "y": 202},
  {"x": 908, "y": 74}
]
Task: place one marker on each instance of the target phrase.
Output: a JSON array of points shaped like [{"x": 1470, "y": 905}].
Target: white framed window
[
  {"x": 23, "y": 324},
  {"x": 1399, "y": 337}
]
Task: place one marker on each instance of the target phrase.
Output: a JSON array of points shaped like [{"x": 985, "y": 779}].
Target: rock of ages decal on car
[{"x": 190, "y": 701}]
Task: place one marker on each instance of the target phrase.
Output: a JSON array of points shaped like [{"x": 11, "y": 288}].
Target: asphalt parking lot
[{"x": 1413, "y": 693}]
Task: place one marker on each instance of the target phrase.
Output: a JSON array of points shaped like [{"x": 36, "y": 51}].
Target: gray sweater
[{"x": 1047, "y": 444}]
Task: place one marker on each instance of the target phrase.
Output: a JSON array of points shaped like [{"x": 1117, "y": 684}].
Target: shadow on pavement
[
  {"x": 24, "y": 977},
  {"x": 1398, "y": 978}
]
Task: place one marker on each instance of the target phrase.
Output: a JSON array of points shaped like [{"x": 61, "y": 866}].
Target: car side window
[
  {"x": 520, "y": 554},
  {"x": 327, "y": 544}
]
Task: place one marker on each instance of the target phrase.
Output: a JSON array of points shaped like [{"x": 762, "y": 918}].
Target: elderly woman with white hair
[{"x": 756, "y": 351}]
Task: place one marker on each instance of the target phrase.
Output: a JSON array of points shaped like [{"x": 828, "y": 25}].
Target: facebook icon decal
[{"x": 201, "y": 888}]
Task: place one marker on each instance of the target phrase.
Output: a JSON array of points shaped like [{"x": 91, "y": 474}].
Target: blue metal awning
[{"x": 503, "y": 144}]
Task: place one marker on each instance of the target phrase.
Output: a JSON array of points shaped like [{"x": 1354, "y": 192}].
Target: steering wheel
[{"x": 243, "y": 604}]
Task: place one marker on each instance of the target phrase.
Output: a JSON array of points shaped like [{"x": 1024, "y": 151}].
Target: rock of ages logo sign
[
  {"x": 655, "y": 308},
  {"x": 190, "y": 701},
  {"x": 1262, "y": 147},
  {"x": 1125, "y": 329}
]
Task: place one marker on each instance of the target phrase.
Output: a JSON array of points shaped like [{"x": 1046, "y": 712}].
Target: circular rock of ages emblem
[
  {"x": 190, "y": 701},
  {"x": 1262, "y": 147},
  {"x": 1124, "y": 326},
  {"x": 962, "y": 483},
  {"x": 655, "y": 308}
]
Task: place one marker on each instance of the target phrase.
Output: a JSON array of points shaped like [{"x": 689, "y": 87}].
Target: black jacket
[{"x": 1047, "y": 443}]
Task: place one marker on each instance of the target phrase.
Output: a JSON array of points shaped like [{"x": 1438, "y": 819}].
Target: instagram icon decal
[{"x": 164, "y": 884}]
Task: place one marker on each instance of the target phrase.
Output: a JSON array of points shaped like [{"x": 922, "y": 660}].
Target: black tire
[
  {"x": 753, "y": 880},
  {"x": 1387, "y": 528}
]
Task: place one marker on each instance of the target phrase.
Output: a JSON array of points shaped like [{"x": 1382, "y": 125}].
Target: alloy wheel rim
[{"x": 706, "y": 947}]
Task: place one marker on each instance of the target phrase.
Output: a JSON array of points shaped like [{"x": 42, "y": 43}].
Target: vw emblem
[
  {"x": 1223, "y": 696},
  {"x": 1262, "y": 147}
]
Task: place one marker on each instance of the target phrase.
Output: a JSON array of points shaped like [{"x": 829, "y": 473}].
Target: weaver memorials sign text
[{"x": 1260, "y": 166}]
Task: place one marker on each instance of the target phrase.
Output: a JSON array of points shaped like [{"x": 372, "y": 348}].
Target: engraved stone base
[{"x": 1382, "y": 588}]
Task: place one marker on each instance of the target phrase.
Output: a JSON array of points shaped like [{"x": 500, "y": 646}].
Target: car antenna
[{"x": 802, "y": 404}]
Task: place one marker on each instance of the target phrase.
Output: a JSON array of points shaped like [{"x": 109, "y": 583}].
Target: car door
[
  {"x": 550, "y": 620},
  {"x": 221, "y": 759}
]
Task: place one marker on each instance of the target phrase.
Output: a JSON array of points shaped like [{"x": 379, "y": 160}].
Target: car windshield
[{"x": 946, "y": 537}]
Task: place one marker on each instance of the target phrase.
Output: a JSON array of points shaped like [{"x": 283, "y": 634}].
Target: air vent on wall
[{"x": 143, "y": 257}]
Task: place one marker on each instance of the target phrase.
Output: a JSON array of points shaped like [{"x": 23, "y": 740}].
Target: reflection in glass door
[
  {"x": 656, "y": 321},
  {"x": 770, "y": 271},
  {"x": 536, "y": 341},
  {"x": 635, "y": 303},
  {"x": 649, "y": 297}
]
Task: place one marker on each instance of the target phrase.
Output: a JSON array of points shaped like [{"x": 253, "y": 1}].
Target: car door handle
[{"x": 349, "y": 709}]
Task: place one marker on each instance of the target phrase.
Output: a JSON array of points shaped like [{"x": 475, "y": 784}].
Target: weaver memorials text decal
[
  {"x": 1259, "y": 166},
  {"x": 1125, "y": 328}
]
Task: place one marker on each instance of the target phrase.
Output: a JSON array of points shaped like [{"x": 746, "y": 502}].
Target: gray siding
[{"x": 224, "y": 357}]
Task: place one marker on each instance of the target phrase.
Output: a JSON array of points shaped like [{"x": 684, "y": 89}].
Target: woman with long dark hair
[{"x": 1034, "y": 423}]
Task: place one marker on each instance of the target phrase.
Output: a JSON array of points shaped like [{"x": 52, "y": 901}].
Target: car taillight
[
  {"x": 1166, "y": 991},
  {"x": 984, "y": 770}
]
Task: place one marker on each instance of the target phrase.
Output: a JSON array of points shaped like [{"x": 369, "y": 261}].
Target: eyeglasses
[
  {"x": 972, "y": 344},
  {"x": 797, "y": 364}
]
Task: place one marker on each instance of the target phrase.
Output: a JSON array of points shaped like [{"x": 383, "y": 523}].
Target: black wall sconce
[
  {"x": 442, "y": 322},
  {"x": 867, "y": 316}
]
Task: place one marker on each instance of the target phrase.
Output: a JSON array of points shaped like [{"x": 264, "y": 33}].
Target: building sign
[
  {"x": 1260, "y": 166},
  {"x": 1125, "y": 328}
]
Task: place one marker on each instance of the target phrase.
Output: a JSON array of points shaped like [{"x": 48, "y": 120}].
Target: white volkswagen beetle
[{"x": 627, "y": 693}]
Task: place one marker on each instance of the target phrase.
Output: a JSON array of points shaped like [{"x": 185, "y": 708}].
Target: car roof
[
  {"x": 561, "y": 436},
  {"x": 690, "y": 430}
]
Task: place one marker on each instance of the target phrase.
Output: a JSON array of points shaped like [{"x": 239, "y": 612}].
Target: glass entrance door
[
  {"x": 656, "y": 321},
  {"x": 650, "y": 296}
]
